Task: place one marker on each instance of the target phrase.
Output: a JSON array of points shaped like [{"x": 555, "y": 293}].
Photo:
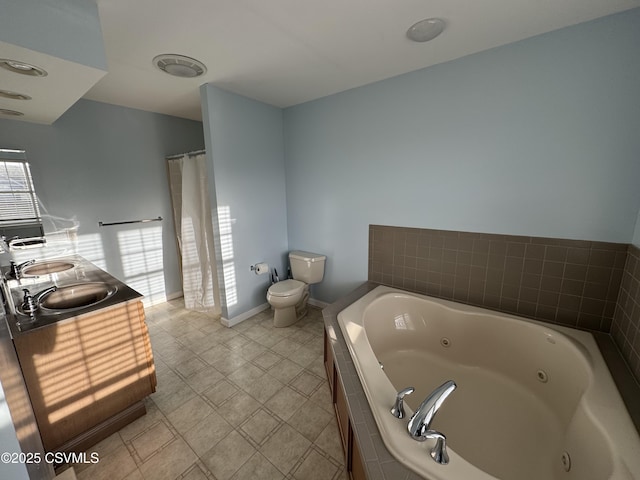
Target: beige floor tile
[
  {"x": 191, "y": 366},
  {"x": 285, "y": 347},
  {"x": 168, "y": 463},
  {"x": 135, "y": 475},
  {"x": 215, "y": 354},
  {"x": 229, "y": 364},
  {"x": 204, "y": 379},
  {"x": 268, "y": 340},
  {"x": 168, "y": 400},
  {"x": 258, "y": 468},
  {"x": 285, "y": 403},
  {"x": 301, "y": 336},
  {"x": 220, "y": 392},
  {"x": 322, "y": 398},
  {"x": 251, "y": 350},
  {"x": 329, "y": 441},
  {"x": 190, "y": 414},
  {"x": 266, "y": 359},
  {"x": 239, "y": 407},
  {"x": 315, "y": 467},
  {"x": 263, "y": 388},
  {"x": 317, "y": 366},
  {"x": 209, "y": 431},
  {"x": 194, "y": 355},
  {"x": 284, "y": 448},
  {"x": 237, "y": 342},
  {"x": 259, "y": 426},
  {"x": 147, "y": 443},
  {"x": 108, "y": 445},
  {"x": 285, "y": 370},
  {"x": 195, "y": 473},
  {"x": 306, "y": 383},
  {"x": 303, "y": 356},
  {"x": 114, "y": 466},
  {"x": 228, "y": 456},
  {"x": 255, "y": 332},
  {"x": 201, "y": 342},
  {"x": 246, "y": 376},
  {"x": 310, "y": 420},
  {"x": 153, "y": 416}
]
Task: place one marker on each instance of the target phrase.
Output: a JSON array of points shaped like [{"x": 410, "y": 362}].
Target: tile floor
[{"x": 248, "y": 402}]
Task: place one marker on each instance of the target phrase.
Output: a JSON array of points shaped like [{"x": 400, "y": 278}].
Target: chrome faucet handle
[
  {"x": 16, "y": 270},
  {"x": 398, "y": 407},
  {"x": 439, "y": 451},
  {"x": 28, "y": 303}
]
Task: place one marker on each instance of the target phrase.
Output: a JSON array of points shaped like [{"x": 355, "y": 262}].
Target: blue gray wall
[
  {"x": 244, "y": 141},
  {"x": 538, "y": 138},
  {"x": 106, "y": 163}
]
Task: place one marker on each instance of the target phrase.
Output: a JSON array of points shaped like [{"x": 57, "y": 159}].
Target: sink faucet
[
  {"x": 419, "y": 426},
  {"x": 16, "y": 270},
  {"x": 31, "y": 303}
]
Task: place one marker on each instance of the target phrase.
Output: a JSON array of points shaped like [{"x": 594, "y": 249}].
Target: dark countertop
[
  {"x": 379, "y": 463},
  {"x": 83, "y": 272}
]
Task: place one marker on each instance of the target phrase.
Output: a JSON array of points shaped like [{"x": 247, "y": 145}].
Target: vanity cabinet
[
  {"x": 353, "y": 458},
  {"x": 87, "y": 376}
]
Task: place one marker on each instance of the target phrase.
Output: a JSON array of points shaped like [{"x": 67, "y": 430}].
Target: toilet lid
[{"x": 286, "y": 288}]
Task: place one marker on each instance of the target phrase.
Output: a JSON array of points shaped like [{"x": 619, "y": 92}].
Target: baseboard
[
  {"x": 318, "y": 303},
  {"x": 173, "y": 296},
  {"x": 230, "y": 322}
]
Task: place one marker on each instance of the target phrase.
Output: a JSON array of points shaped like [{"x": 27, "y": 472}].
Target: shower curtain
[{"x": 194, "y": 231}]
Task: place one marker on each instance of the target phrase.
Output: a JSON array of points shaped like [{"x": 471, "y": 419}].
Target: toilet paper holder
[{"x": 260, "y": 268}]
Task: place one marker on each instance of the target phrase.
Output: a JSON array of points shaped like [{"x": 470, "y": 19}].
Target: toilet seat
[{"x": 286, "y": 288}]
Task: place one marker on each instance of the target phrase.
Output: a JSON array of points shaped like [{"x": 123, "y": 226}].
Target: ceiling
[{"x": 285, "y": 52}]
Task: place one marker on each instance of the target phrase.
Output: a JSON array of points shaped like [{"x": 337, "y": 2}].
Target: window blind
[{"x": 18, "y": 201}]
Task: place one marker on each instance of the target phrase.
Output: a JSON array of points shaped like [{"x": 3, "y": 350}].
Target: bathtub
[{"x": 534, "y": 401}]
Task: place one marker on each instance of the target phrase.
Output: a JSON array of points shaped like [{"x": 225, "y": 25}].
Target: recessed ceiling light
[
  {"x": 22, "y": 68},
  {"x": 12, "y": 113},
  {"x": 426, "y": 29},
  {"x": 179, "y": 65},
  {"x": 14, "y": 95}
]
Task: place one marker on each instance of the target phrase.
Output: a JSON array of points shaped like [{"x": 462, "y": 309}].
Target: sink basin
[
  {"x": 77, "y": 296},
  {"x": 45, "y": 268}
]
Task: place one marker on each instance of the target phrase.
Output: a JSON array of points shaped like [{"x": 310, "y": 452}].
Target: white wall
[
  {"x": 536, "y": 138},
  {"x": 245, "y": 153}
]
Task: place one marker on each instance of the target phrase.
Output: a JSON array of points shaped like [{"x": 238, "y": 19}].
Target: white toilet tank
[{"x": 307, "y": 267}]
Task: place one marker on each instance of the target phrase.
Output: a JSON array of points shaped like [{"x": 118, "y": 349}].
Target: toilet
[{"x": 289, "y": 297}]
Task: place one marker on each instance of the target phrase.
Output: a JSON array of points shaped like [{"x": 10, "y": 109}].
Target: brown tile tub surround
[
  {"x": 626, "y": 322},
  {"x": 568, "y": 282}
]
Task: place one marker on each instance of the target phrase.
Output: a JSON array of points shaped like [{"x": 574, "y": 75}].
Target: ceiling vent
[
  {"x": 179, "y": 65},
  {"x": 426, "y": 29},
  {"x": 14, "y": 95},
  {"x": 22, "y": 68},
  {"x": 12, "y": 113}
]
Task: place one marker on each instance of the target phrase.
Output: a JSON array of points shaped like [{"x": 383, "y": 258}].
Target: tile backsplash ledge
[{"x": 577, "y": 283}]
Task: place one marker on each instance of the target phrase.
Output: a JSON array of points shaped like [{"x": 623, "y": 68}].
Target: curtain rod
[{"x": 189, "y": 154}]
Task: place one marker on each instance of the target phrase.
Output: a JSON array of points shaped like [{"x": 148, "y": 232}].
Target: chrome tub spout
[{"x": 420, "y": 422}]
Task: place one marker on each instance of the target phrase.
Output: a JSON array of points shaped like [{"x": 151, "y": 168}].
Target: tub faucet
[{"x": 419, "y": 426}]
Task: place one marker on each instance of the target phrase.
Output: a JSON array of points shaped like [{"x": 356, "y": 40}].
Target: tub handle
[{"x": 398, "y": 408}]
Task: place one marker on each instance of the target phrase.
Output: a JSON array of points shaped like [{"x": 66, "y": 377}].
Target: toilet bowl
[
  {"x": 289, "y": 297},
  {"x": 289, "y": 301}
]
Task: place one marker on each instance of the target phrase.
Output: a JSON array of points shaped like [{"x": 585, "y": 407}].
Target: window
[{"x": 18, "y": 201}]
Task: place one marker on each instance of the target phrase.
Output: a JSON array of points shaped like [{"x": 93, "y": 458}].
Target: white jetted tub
[{"x": 533, "y": 401}]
